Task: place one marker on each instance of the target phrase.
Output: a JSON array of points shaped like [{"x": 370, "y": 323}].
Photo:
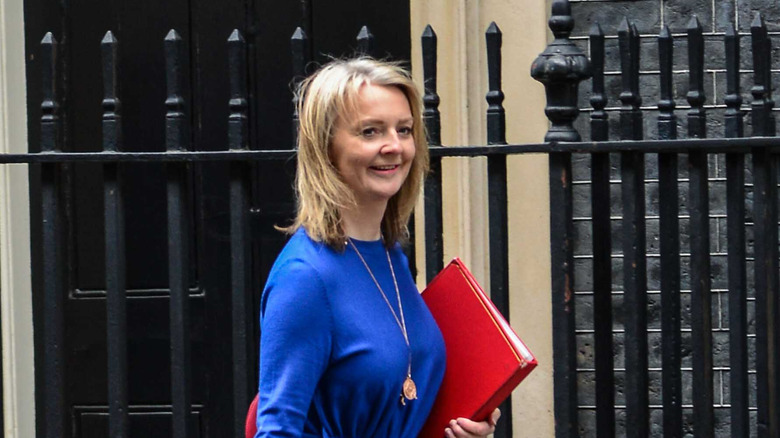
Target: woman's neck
[{"x": 363, "y": 222}]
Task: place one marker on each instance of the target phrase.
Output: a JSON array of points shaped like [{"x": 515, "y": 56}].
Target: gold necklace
[{"x": 409, "y": 389}]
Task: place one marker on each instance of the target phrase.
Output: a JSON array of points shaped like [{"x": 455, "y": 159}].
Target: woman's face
[{"x": 373, "y": 150}]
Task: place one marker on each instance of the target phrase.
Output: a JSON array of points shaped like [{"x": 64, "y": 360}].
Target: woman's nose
[{"x": 393, "y": 144}]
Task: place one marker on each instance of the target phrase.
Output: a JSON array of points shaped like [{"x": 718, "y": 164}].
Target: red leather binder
[{"x": 486, "y": 359}]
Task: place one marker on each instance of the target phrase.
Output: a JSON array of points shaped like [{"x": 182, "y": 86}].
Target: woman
[{"x": 348, "y": 347}]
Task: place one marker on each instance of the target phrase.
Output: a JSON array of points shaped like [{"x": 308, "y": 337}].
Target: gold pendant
[{"x": 410, "y": 389}]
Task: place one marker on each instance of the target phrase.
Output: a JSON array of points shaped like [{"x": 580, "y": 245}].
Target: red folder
[{"x": 486, "y": 359}]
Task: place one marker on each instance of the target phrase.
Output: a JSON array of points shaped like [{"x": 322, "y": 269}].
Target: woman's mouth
[{"x": 385, "y": 168}]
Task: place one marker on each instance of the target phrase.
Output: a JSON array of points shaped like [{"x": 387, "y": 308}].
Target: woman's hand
[{"x": 465, "y": 428}]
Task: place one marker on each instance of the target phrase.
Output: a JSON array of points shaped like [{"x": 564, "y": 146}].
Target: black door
[{"x": 140, "y": 27}]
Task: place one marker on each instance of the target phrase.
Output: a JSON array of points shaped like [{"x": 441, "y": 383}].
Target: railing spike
[
  {"x": 48, "y": 39},
  {"x": 630, "y": 114},
  {"x": 599, "y": 119},
  {"x": 624, "y": 25},
  {"x": 694, "y": 23},
  {"x": 730, "y": 30},
  {"x": 595, "y": 30},
  {"x": 238, "y": 101},
  {"x": 496, "y": 123},
  {"x": 758, "y": 21},
  {"x": 300, "y": 54},
  {"x": 49, "y": 106},
  {"x": 635, "y": 62},
  {"x": 697, "y": 122},
  {"x": 733, "y": 115},
  {"x": 172, "y": 36},
  {"x": 108, "y": 47},
  {"x": 299, "y": 44},
  {"x": 434, "y": 247},
  {"x": 174, "y": 84},
  {"x": 667, "y": 120},
  {"x": 365, "y": 42},
  {"x": 108, "y": 38},
  {"x": 430, "y": 98},
  {"x": 763, "y": 120},
  {"x": 364, "y": 33},
  {"x": 235, "y": 36}
]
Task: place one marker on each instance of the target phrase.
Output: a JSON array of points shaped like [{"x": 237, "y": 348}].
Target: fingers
[
  {"x": 494, "y": 417},
  {"x": 465, "y": 428}
]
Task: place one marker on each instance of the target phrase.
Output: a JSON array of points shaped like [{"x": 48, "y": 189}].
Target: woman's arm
[{"x": 295, "y": 346}]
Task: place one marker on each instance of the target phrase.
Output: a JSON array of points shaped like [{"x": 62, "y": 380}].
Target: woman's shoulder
[
  {"x": 296, "y": 275},
  {"x": 303, "y": 256},
  {"x": 302, "y": 248}
]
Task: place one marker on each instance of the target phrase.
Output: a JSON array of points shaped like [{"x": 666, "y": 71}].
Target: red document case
[{"x": 486, "y": 359}]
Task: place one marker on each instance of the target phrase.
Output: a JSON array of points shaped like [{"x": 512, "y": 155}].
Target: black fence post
[
  {"x": 54, "y": 408},
  {"x": 602, "y": 244},
  {"x": 669, "y": 223},
  {"x": 176, "y": 135},
  {"x": 434, "y": 246},
  {"x": 244, "y": 386},
  {"x": 116, "y": 295},
  {"x": 497, "y": 198},
  {"x": 701, "y": 294},
  {"x": 737, "y": 272},
  {"x": 561, "y": 67},
  {"x": 765, "y": 228},
  {"x": 632, "y": 175}
]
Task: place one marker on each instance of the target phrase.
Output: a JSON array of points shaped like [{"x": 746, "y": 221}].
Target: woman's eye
[
  {"x": 369, "y": 132},
  {"x": 405, "y": 130}
]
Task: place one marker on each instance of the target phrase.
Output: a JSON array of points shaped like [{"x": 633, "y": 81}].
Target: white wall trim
[{"x": 15, "y": 281}]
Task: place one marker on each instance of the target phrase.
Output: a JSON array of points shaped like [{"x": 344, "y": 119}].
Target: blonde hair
[{"x": 321, "y": 193}]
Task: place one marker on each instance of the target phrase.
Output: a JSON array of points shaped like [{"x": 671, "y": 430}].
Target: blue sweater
[{"x": 332, "y": 357}]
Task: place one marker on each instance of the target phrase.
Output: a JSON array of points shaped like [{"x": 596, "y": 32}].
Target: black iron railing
[{"x": 636, "y": 375}]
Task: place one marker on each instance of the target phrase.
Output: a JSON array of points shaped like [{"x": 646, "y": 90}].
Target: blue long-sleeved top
[{"x": 332, "y": 357}]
